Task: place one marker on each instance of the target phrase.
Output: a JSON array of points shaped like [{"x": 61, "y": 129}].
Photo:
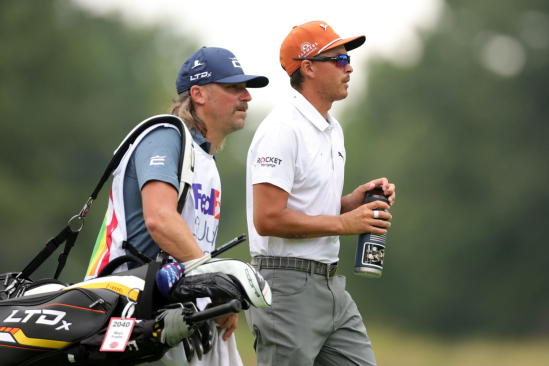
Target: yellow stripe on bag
[
  {"x": 21, "y": 338},
  {"x": 113, "y": 286}
]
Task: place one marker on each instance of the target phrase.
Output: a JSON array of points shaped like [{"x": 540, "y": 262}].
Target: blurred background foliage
[{"x": 463, "y": 133}]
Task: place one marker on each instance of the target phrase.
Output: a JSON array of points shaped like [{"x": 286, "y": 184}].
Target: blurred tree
[
  {"x": 71, "y": 87},
  {"x": 464, "y": 136}
]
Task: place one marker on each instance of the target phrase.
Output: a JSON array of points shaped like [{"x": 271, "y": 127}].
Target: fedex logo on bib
[{"x": 207, "y": 204}]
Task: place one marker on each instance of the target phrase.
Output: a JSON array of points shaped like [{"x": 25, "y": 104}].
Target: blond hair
[{"x": 183, "y": 107}]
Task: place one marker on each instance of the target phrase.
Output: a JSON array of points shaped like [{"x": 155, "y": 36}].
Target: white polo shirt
[{"x": 296, "y": 149}]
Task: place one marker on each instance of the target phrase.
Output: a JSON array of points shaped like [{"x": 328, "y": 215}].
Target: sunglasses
[{"x": 341, "y": 60}]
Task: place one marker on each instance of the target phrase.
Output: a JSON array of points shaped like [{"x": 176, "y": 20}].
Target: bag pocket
[{"x": 32, "y": 327}]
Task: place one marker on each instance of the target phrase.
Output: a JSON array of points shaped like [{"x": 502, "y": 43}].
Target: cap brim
[
  {"x": 349, "y": 43},
  {"x": 252, "y": 81}
]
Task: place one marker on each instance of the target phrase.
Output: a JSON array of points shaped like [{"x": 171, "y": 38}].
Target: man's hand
[
  {"x": 352, "y": 201},
  {"x": 361, "y": 220},
  {"x": 229, "y": 322}
]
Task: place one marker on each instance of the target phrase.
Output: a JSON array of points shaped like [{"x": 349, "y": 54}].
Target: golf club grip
[{"x": 232, "y": 306}]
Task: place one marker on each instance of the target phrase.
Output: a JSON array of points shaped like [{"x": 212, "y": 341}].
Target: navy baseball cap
[{"x": 213, "y": 64}]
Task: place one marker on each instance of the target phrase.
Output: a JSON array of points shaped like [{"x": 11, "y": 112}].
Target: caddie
[
  {"x": 296, "y": 212},
  {"x": 212, "y": 101}
]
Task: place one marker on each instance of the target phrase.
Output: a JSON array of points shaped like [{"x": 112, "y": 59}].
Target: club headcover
[
  {"x": 254, "y": 288},
  {"x": 217, "y": 286},
  {"x": 168, "y": 276}
]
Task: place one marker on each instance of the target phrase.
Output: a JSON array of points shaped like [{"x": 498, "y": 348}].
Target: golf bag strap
[
  {"x": 118, "y": 261},
  {"x": 181, "y": 201},
  {"x": 62, "y": 260},
  {"x": 144, "y": 308},
  {"x": 130, "y": 139},
  {"x": 136, "y": 253},
  {"x": 65, "y": 235},
  {"x": 119, "y": 154}
]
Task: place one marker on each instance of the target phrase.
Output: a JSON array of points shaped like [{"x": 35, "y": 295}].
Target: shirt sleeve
[
  {"x": 157, "y": 157},
  {"x": 273, "y": 156}
]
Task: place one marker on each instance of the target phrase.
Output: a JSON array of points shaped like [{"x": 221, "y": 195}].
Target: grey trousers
[{"x": 312, "y": 322}]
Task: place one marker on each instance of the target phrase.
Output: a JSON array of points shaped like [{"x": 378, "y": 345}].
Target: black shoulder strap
[
  {"x": 68, "y": 234},
  {"x": 130, "y": 139},
  {"x": 144, "y": 308}
]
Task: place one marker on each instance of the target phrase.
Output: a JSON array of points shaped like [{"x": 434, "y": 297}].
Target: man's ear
[
  {"x": 198, "y": 94},
  {"x": 308, "y": 69}
]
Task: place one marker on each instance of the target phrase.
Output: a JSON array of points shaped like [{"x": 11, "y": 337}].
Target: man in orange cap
[{"x": 296, "y": 211}]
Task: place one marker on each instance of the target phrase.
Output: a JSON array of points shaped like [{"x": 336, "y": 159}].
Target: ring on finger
[{"x": 376, "y": 214}]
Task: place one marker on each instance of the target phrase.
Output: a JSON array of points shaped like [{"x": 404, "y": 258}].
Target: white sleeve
[{"x": 273, "y": 156}]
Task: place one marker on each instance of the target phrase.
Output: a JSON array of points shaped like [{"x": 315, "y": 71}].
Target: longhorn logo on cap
[
  {"x": 324, "y": 26},
  {"x": 196, "y": 64}
]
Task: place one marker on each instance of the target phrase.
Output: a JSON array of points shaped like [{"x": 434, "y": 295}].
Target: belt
[{"x": 295, "y": 264}]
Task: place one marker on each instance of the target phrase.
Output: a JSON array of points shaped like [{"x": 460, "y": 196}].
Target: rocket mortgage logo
[{"x": 269, "y": 161}]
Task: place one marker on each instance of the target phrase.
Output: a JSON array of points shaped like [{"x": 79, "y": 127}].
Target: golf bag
[{"x": 66, "y": 325}]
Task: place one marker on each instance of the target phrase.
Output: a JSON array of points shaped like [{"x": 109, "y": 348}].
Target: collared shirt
[
  {"x": 201, "y": 141},
  {"x": 299, "y": 151}
]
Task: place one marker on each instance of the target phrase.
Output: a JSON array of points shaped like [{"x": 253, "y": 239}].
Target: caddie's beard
[
  {"x": 240, "y": 115},
  {"x": 241, "y": 107},
  {"x": 221, "y": 145}
]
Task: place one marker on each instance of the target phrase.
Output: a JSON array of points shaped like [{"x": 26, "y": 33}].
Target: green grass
[{"x": 397, "y": 348}]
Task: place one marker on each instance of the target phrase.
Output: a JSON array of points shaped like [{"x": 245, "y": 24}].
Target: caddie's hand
[
  {"x": 362, "y": 219},
  {"x": 228, "y": 322}
]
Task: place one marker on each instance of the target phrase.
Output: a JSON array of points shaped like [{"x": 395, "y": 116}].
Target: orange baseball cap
[{"x": 310, "y": 39}]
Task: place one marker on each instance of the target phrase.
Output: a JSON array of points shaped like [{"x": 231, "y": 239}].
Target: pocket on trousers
[
  {"x": 343, "y": 280},
  {"x": 288, "y": 282}
]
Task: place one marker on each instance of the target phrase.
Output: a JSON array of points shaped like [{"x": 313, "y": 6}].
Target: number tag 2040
[{"x": 117, "y": 335}]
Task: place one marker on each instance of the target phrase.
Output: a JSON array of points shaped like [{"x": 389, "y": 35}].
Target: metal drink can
[{"x": 370, "y": 249}]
